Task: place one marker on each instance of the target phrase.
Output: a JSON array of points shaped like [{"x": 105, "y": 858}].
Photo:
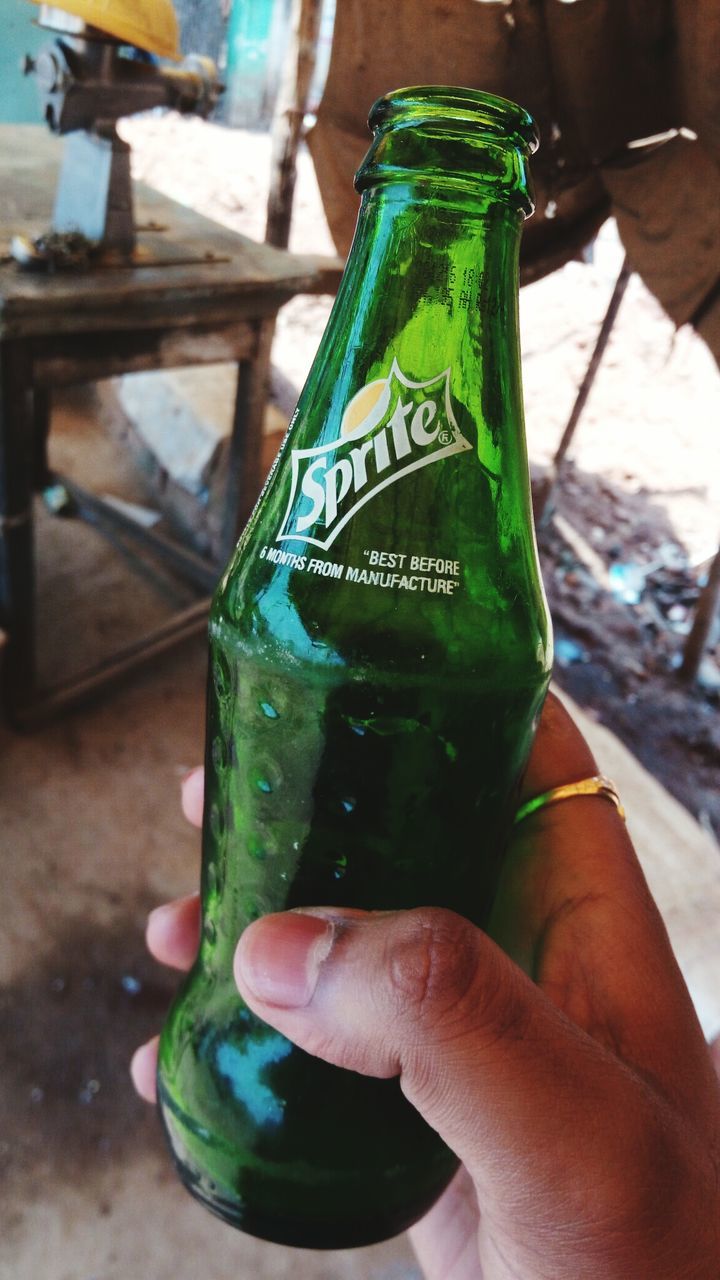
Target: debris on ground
[{"x": 622, "y": 592}]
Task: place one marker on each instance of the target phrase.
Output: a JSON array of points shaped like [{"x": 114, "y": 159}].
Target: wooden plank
[
  {"x": 29, "y": 165},
  {"x": 328, "y": 273},
  {"x": 64, "y": 361},
  {"x": 181, "y": 307},
  {"x": 139, "y": 298},
  {"x": 238, "y": 272},
  {"x": 288, "y": 120}
]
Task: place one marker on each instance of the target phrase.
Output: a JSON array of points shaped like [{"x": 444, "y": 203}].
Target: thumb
[{"x": 489, "y": 1061}]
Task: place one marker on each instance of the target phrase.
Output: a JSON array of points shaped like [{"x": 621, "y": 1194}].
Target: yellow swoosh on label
[{"x": 366, "y": 409}]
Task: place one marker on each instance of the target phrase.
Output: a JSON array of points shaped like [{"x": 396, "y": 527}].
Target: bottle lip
[
  {"x": 462, "y": 141},
  {"x": 452, "y": 105}
]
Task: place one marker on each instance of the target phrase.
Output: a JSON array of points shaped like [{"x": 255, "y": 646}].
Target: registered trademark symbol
[{"x": 445, "y": 437}]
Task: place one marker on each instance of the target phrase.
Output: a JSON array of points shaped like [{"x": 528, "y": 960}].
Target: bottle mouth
[
  {"x": 449, "y": 105},
  {"x": 452, "y": 136}
]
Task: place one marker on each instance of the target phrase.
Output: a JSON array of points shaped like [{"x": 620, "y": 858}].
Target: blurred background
[{"x": 197, "y": 335}]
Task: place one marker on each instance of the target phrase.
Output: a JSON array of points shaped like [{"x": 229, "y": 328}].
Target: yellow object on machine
[{"x": 148, "y": 24}]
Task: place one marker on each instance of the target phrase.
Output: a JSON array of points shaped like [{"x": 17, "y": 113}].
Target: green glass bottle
[{"x": 379, "y": 653}]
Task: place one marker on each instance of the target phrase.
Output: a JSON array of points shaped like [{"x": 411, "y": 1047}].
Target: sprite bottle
[{"x": 379, "y": 653}]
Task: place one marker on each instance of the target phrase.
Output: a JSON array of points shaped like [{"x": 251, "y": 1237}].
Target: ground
[
  {"x": 636, "y": 514},
  {"x": 618, "y": 658}
]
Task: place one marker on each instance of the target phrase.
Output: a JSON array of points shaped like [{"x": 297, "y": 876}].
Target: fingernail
[
  {"x": 160, "y": 914},
  {"x": 193, "y": 783},
  {"x": 278, "y": 958},
  {"x": 143, "y": 1066}
]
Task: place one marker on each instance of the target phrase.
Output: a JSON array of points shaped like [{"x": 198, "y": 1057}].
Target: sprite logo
[{"x": 390, "y": 428}]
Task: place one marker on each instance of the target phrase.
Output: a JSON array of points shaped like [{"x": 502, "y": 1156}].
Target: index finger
[
  {"x": 191, "y": 795},
  {"x": 573, "y": 909}
]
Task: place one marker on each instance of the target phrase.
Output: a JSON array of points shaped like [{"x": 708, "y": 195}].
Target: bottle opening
[
  {"x": 451, "y": 136},
  {"x": 451, "y": 105}
]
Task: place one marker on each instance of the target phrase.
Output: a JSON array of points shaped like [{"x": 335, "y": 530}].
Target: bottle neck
[
  {"x": 407, "y": 447},
  {"x": 432, "y": 285}
]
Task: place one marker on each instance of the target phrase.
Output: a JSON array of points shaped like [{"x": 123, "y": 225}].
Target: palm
[
  {"x": 574, "y": 913},
  {"x": 561, "y": 942}
]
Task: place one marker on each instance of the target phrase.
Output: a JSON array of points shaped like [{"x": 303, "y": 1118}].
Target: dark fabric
[{"x": 597, "y": 75}]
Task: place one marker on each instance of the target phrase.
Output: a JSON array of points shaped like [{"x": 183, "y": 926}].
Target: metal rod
[
  {"x": 546, "y": 488},
  {"x": 61, "y": 697},
  {"x": 193, "y": 567},
  {"x": 707, "y": 607}
]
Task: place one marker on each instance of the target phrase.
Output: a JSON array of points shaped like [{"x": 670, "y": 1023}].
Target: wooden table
[{"x": 196, "y": 293}]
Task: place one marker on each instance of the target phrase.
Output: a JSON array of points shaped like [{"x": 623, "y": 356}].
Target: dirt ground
[{"x": 636, "y": 516}]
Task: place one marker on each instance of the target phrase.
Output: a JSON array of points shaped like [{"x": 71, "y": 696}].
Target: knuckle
[{"x": 433, "y": 966}]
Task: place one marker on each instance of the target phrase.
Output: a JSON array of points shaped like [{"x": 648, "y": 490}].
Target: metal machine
[{"x": 101, "y": 66}]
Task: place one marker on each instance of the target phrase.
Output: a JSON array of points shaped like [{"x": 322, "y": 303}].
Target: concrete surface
[
  {"x": 177, "y": 425},
  {"x": 184, "y": 416},
  {"x": 92, "y": 837}
]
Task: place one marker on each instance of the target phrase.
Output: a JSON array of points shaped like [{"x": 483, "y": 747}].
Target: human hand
[{"x": 567, "y": 1070}]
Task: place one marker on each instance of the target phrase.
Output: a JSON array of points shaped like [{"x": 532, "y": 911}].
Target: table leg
[
  {"x": 17, "y": 573},
  {"x": 245, "y": 472},
  {"x": 40, "y": 432}
]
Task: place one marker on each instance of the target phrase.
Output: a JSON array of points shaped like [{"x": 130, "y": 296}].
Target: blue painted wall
[
  {"x": 18, "y": 36},
  {"x": 252, "y": 44},
  {"x": 252, "y": 70},
  {"x": 257, "y": 40}
]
